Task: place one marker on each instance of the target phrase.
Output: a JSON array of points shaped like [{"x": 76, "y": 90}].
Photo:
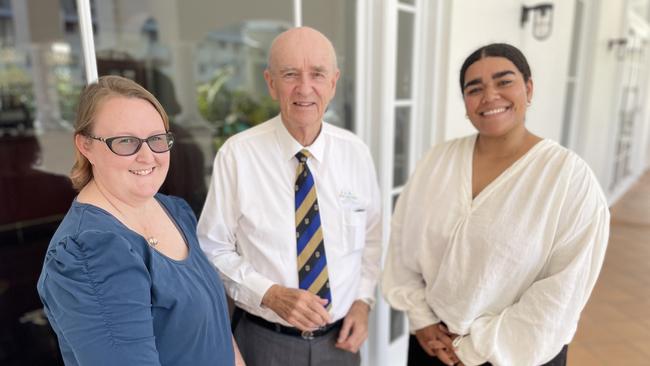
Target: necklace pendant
[{"x": 152, "y": 241}]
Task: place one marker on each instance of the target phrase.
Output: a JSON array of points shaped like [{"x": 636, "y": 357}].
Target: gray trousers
[{"x": 263, "y": 347}]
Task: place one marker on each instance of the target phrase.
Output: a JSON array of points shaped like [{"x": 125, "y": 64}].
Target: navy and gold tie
[{"x": 312, "y": 263}]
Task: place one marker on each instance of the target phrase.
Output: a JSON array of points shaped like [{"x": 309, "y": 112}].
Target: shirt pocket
[{"x": 354, "y": 227}]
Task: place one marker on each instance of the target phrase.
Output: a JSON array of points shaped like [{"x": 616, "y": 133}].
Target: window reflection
[
  {"x": 404, "y": 70},
  {"x": 336, "y": 19},
  {"x": 40, "y": 80},
  {"x": 204, "y": 61},
  {"x": 27, "y": 191},
  {"x": 232, "y": 95},
  {"x": 401, "y": 152},
  {"x": 397, "y": 324}
]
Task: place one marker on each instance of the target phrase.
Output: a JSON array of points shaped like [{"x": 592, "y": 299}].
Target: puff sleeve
[{"x": 96, "y": 290}]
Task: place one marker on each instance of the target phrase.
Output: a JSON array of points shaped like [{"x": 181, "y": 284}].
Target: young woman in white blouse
[{"x": 498, "y": 237}]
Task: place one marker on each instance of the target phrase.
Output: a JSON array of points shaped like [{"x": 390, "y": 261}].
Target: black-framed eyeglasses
[{"x": 129, "y": 145}]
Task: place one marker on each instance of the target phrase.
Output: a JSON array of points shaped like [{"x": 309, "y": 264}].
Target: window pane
[
  {"x": 41, "y": 75},
  {"x": 397, "y": 324},
  {"x": 404, "y": 72},
  {"x": 402, "y": 138},
  {"x": 394, "y": 202},
  {"x": 337, "y": 20},
  {"x": 204, "y": 60}
]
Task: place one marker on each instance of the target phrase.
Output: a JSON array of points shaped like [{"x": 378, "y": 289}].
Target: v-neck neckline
[{"x": 488, "y": 189}]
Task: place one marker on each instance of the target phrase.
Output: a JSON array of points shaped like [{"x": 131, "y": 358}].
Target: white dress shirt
[
  {"x": 247, "y": 228},
  {"x": 510, "y": 270}
]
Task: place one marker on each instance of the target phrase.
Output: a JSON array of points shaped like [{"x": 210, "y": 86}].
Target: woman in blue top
[{"x": 124, "y": 281}]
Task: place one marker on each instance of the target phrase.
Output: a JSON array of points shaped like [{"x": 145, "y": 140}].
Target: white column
[
  {"x": 48, "y": 113},
  {"x": 87, "y": 41},
  {"x": 35, "y": 34},
  {"x": 182, "y": 55}
]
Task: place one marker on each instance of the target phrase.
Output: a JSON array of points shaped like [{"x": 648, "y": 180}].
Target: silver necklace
[{"x": 151, "y": 240}]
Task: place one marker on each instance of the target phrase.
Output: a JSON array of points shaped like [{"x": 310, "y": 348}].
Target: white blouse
[{"x": 510, "y": 270}]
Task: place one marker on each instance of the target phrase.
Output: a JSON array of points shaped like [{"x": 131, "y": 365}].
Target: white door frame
[{"x": 378, "y": 42}]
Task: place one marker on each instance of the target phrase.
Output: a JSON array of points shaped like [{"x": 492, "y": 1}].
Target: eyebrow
[
  {"x": 496, "y": 75},
  {"x": 314, "y": 68},
  {"x": 501, "y": 74},
  {"x": 131, "y": 134},
  {"x": 472, "y": 82}
]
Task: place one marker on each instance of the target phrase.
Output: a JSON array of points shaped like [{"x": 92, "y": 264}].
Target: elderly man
[{"x": 292, "y": 219}]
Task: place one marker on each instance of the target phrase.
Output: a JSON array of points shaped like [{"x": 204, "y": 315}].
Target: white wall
[
  {"x": 474, "y": 23},
  {"x": 549, "y": 63},
  {"x": 600, "y": 111},
  {"x": 477, "y": 22}
]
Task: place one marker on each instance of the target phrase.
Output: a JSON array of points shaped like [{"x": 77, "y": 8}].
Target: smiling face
[
  {"x": 496, "y": 96},
  {"x": 129, "y": 178},
  {"x": 302, "y": 77}
]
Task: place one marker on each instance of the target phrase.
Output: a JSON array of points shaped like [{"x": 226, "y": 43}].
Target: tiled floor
[{"x": 615, "y": 325}]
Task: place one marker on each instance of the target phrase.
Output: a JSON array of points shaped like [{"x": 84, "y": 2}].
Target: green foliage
[
  {"x": 231, "y": 111},
  {"x": 14, "y": 80},
  {"x": 68, "y": 92},
  {"x": 214, "y": 98}
]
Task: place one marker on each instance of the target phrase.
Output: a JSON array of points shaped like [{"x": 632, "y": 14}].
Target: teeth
[
  {"x": 494, "y": 111},
  {"x": 303, "y": 104},
  {"x": 142, "y": 171}
]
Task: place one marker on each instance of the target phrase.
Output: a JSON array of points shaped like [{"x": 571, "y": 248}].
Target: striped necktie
[{"x": 312, "y": 263}]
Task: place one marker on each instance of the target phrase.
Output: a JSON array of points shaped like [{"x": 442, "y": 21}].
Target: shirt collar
[{"x": 289, "y": 146}]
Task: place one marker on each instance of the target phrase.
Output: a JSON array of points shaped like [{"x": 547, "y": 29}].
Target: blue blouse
[{"x": 114, "y": 300}]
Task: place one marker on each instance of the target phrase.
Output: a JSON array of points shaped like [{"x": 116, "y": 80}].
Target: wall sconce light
[
  {"x": 620, "y": 44},
  {"x": 542, "y": 19}
]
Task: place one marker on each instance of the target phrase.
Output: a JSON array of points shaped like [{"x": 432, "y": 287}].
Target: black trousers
[{"x": 417, "y": 356}]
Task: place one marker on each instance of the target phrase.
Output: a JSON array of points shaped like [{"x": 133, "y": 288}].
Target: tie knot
[{"x": 303, "y": 155}]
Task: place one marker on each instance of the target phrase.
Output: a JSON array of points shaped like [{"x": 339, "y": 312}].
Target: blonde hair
[{"x": 90, "y": 100}]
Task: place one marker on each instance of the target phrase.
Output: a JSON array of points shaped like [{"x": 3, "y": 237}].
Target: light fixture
[
  {"x": 542, "y": 19},
  {"x": 620, "y": 44}
]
